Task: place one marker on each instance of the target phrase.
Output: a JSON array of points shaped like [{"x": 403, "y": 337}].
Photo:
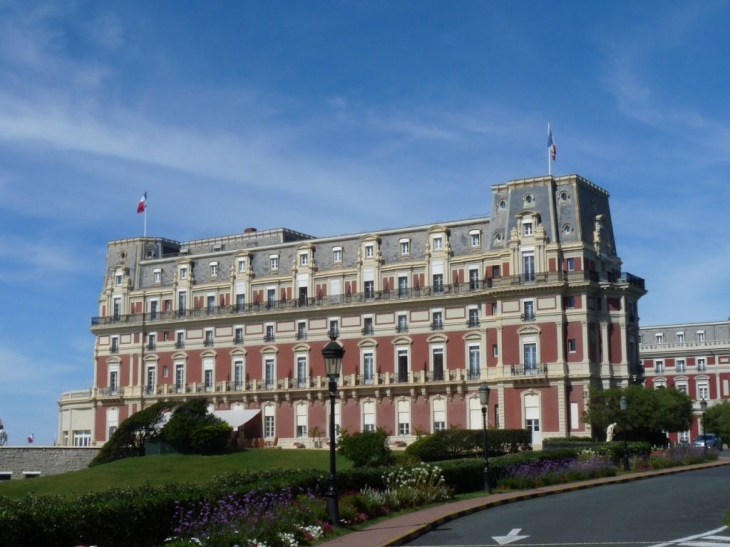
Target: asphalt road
[{"x": 643, "y": 513}]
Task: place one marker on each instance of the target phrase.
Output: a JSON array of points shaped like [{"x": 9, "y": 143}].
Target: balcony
[
  {"x": 111, "y": 392},
  {"x": 301, "y": 335},
  {"x": 149, "y": 390},
  {"x": 473, "y": 374},
  {"x": 180, "y": 344},
  {"x": 208, "y": 342},
  {"x": 152, "y": 346},
  {"x": 368, "y": 331},
  {"x": 333, "y": 333},
  {"x": 238, "y": 340},
  {"x": 437, "y": 325},
  {"x": 529, "y": 369},
  {"x": 114, "y": 348},
  {"x": 367, "y": 296},
  {"x": 269, "y": 338},
  {"x": 401, "y": 328},
  {"x": 473, "y": 322},
  {"x": 530, "y": 316}
]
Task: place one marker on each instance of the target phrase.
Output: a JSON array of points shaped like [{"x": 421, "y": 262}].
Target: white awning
[{"x": 236, "y": 418}]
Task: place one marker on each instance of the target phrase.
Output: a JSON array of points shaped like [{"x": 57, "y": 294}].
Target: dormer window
[
  {"x": 183, "y": 272},
  {"x": 529, "y": 200},
  {"x": 213, "y": 269},
  {"x": 157, "y": 275},
  {"x": 303, "y": 259},
  {"x": 502, "y": 205},
  {"x": 242, "y": 265},
  {"x": 369, "y": 251},
  {"x": 274, "y": 262},
  {"x": 527, "y": 228},
  {"x": 405, "y": 247},
  {"x": 337, "y": 255},
  {"x": 475, "y": 238},
  {"x": 118, "y": 279}
]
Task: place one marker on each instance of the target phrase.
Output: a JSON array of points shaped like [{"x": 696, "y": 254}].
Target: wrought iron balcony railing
[
  {"x": 471, "y": 323},
  {"x": 238, "y": 340},
  {"x": 367, "y": 296},
  {"x": 529, "y": 369},
  {"x": 367, "y": 331},
  {"x": 269, "y": 338},
  {"x": 208, "y": 342},
  {"x": 180, "y": 344},
  {"x": 401, "y": 328},
  {"x": 528, "y": 316},
  {"x": 437, "y": 325},
  {"x": 151, "y": 346},
  {"x": 300, "y": 335}
]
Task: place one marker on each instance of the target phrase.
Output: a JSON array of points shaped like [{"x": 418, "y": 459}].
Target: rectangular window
[
  {"x": 473, "y": 317},
  {"x": 82, "y": 437},
  {"x": 240, "y": 302},
  {"x": 213, "y": 269},
  {"x": 208, "y": 379},
  {"x": 438, "y": 243},
  {"x": 368, "y": 416},
  {"x": 402, "y": 286},
  {"x": 270, "y": 298},
  {"x": 269, "y": 373},
  {"x": 274, "y": 263},
  {"x": 210, "y": 304},
  {"x": 179, "y": 378},
  {"x": 474, "y": 238},
  {"x": 681, "y": 365},
  {"x": 301, "y": 421},
  {"x": 368, "y": 368},
  {"x": 438, "y": 283},
  {"x": 437, "y": 357},
  {"x": 334, "y": 328},
  {"x": 114, "y": 345},
  {"x": 153, "y": 309},
  {"x": 475, "y": 363},
  {"x": 337, "y": 255},
  {"x": 527, "y": 228},
  {"x": 570, "y": 301},
  {"x": 303, "y": 259},
  {"x": 528, "y": 266},
  {"x": 238, "y": 335},
  {"x": 301, "y": 330},
  {"x": 114, "y": 382},
  {"x": 681, "y": 387},
  {"x": 529, "y": 310},
  {"x": 269, "y": 336},
  {"x": 118, "y": 280},
  {"x": 703, "y": 391},
  {"x": 529, "y": 352},
  {"x": 680, "y": 338},
  {"x": 402, "y": 325},
  {"x": 405, "y": 246},
  {"x": 183, "y": 273},
  {"x": 117, "y": 303},
  {"x": 701, "y": 364},
  {"x": 473, "y": 279},
  {"x": 157, "y": 276},
  {"x": 659, "y": 365},
  {"x": 571, "y": 264},
  {"x": 404, "y": 418},
  {"x": 403, "y": 365},
  {"x": 367, "y": 328},
  {"x": 182, "y": 303},
  {"x": 659, "y": 338},
  {"x": 369, "y": 290},
  {"x": 301, "y": 371},
  {"x": 241, "y": 266},
  {"x": 439, "y": 415},
  {"x": 369, "y": 251},
  {"x": 438, "y": 320},
  {"x": 208, "y": 342},
  {"x": 238, "y": 375},
  {"x": 152, "y": 341},
  {"x": 572, "y": 345},
  {"x": 151, "y": 380},
  {"x": 700, "y": 336},
  {"x": 268, "y": 427}
]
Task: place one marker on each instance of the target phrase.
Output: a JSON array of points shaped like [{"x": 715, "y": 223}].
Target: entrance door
[{"x": 532, "y": 418}]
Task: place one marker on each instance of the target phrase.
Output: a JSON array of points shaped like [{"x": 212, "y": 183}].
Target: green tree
[
  {"x": 129, "y": 439},
  {"x": 717, "y": 420},
  {"x": 193, "y": 430},
  {"x": 366, "y": 448}
]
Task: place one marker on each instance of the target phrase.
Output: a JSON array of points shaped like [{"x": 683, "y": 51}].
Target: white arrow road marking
[
  {"x": 509, "y": 538},
  {"x": 683, "y": 541}
]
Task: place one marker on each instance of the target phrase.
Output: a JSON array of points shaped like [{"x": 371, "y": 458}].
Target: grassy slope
[{"x": 166, "y": 469}]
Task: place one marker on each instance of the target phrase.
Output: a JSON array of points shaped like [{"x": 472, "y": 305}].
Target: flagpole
[
  {"x": 550, "y": 163},
  {"x": 145, "y": 219}
]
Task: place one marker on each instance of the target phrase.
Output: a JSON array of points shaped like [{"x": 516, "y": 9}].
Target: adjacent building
[
  {"x": 531, "y": 299},
  {"x": 692, "y": 357}
]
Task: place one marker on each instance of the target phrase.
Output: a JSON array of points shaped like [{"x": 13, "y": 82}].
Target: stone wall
[{"x": 49, "y": 460}]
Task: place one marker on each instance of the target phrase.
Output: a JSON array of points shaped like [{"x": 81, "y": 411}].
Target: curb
[{"x": 425, "y": 528}]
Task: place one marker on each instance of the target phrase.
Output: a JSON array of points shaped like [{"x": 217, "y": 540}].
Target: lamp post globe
[
  {"x": 484, "y": 401},
  {"x": 332, "y": 354},
  {"x": 624, "y": 403}
]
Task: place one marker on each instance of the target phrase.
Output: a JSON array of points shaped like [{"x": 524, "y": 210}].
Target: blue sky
[{"x": 340, "y": 117}]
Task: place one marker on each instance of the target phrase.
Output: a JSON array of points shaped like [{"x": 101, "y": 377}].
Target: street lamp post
[
  {"x": 703, "y": 407},
  {"x": 333, "y": 354},
  {"x": 624, "y": 412},
  {"x": 484, "y": 400}
]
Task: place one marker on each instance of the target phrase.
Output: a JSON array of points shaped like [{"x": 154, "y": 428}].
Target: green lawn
[{"x": 173, "y": 468}]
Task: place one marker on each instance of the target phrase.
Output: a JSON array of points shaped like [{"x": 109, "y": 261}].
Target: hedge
[
  {"x": 468, "y": 443},
  {"x": 614, "y": 449},
  {"x": 144, "y": 516}
]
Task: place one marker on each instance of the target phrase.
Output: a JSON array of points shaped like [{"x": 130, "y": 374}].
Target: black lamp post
[
  {"x": 624, "y": 412},
  {"x": 703, "y": 407},
  {"x": 333, "y": 354},
  {"x": 484, "y": 400}
]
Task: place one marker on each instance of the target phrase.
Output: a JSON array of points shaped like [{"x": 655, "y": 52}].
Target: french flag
[
  {"x": 142, "y": 205},
  {"x": 30, "y": 438},
  {"x": 552, "y": 147}
]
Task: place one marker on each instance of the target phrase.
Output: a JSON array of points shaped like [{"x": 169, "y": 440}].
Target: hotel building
[{"x": 531, "y": 299}]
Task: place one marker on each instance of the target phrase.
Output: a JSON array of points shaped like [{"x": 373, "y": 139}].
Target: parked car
[{"x": 713, "y": 441}]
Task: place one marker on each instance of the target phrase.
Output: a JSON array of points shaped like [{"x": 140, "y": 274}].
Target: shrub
[
  {"x": 193, "y": 430},
  {"x": 129, "y": 439},
  {"x": 367, "y": 448},
  {"x": 464, "y": 443}
]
